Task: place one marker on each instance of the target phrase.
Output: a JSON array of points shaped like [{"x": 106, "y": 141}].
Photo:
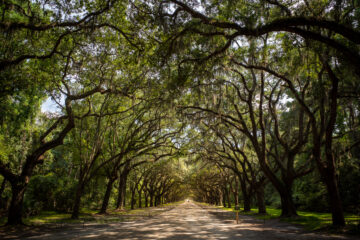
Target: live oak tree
[
  {"x": 243, "y": 163},
  {"x": 35, "y": 36},
  {"x": 207, "y": 184},
  {"x": 213, "y": 29},
  {"x": 274, "y": 84},
  {"x": 35, "y": 156},
  {"x": 140, "y": 141}
]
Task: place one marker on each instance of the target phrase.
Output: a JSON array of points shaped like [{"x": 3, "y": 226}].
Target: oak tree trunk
[
  {"x": 151, "y": 199},
  {"x": 2, "y": 188},
  {"x": 287, "y": 204},
  {"x": 260, "y": 197},
  {"x": 146, "y": 201},
  {"x": 139, "y": 193},
  {"x": 247, "y": 203},
  {"x": 228, "y": 198},
  {"x": 77, "y": 201},
  {"x": 221, "y": 197},
  {"x": 236, "y": 197},
  {"x": 16, "y": 206},
  {"x": 106, "y": 199},
  {"x": 133, "y": 200},
  {"x": 335, "y": 201},
  {"x": 120, "y": 203}
]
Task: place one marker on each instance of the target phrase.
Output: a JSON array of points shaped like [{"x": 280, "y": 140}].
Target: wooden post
[{"x": 237, "y": 209}]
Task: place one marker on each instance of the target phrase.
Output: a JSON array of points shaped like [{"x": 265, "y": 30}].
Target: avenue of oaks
[{"x": 108, "y": 103}]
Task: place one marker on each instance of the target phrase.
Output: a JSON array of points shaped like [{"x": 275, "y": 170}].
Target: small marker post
[{"x": 237, "y": 208}]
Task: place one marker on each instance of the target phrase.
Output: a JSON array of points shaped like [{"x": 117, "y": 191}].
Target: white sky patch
[{"x": 51, "y": 106}]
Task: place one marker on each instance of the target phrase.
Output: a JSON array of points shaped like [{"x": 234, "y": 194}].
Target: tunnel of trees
[{"x": 132, "y": 103}]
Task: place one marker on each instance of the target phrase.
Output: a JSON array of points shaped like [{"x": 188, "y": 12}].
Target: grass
[
  {"x": 88, "y": 215},
  {"x": 48, "y": 217},
  {"x": 309, "y": 220},
  {"x": 317, "y": 221}
]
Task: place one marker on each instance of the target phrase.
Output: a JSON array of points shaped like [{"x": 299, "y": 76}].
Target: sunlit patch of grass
[
  {"x": 137, "y": 211},
  {"x": 48, "y": 217},
  {"x": 119, "y": 212},
  {"x": 315, "y": 221},
  {"x": 309, "y": 220},
  {"x": 227, "y": 209},
  {"x": 88, "y": 211},
  {"x": 142, "y": 211},
  {"x": 91, "y": 215}
]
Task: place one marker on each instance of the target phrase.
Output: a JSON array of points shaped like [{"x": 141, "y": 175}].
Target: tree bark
[
  {"x": 221, "y": 197},
  {"x": 246, "y": 194},
  {"x": 146, "y": 200},
  {"x": 335, "y": 200},
  {"x": 330, "y": 175},
  {"x": 106, "y": 199},
  {"x": 139, "y": 193},
  {"x": 236, "y": 196},
  {"x": 120, "y": 204},
  {"x": 2, "y": 188},
  {"x": 287, "y": 204},
  {"x": 156, "y": 202},
  {"x": 260, "y": 196},
  {"x": 228, "y": 198},
  {"x": 16, "y": 206},
  {"x": 77, "y": 202},
  {"x": 247, "y": 203},
  {"x": 283, "y": 187},
  {"x": 236, "y": 193},
  {"x": 133, "y": 201},
  {"x": 151, "y": 199}
]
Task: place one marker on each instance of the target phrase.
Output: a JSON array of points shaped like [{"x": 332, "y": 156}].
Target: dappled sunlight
[{"x": 187, "y": 221}]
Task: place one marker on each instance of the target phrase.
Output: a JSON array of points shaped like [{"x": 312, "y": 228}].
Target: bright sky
[{"x": 51, "y": 106}]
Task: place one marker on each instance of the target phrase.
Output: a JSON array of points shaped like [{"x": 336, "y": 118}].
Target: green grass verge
[
  {"x": 89, "y": 215},
  {"x": 309, "y": 220}
]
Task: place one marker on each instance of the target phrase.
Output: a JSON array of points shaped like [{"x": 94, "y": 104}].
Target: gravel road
[{"x": 186, "y": 221}]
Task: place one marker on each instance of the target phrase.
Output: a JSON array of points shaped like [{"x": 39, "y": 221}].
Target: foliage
[{"x": 245, "y": 102}]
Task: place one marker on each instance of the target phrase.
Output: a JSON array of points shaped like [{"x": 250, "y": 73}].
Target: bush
[
  {"x": 64, "y": 196},
  {"x": 310, "y": 193},
  {"x": 39, "y": 194},
  {"x": 48, "y": 192}
]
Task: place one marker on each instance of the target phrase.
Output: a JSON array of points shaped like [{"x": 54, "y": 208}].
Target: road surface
[{"x": 186, "y": 221}]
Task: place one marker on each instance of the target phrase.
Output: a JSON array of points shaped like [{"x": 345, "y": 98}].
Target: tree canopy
[{"x": 253, "y": 102}]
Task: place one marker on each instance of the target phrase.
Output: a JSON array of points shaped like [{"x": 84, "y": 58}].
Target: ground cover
[
  {"x": 311, "y": 221},
  {"x": 92, "y": 216}
]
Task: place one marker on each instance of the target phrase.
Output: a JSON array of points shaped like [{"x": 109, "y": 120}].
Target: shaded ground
[{"x": 186, "y": 221}]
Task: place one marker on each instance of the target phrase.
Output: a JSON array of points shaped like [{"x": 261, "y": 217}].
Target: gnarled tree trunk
[
  {"x": 15, "y": 211},
  {"x": 287, "y": 204},
  {"x": 120, "y": 203},
  {"x": 260, "y": 197},
  {"x": 77, "y": 201},
  {"x": 106, "y": 199},
  {"x": 334, "y": 199}
]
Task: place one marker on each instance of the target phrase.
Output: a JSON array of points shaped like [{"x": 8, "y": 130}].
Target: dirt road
[{"x": 187, "y": 221}]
